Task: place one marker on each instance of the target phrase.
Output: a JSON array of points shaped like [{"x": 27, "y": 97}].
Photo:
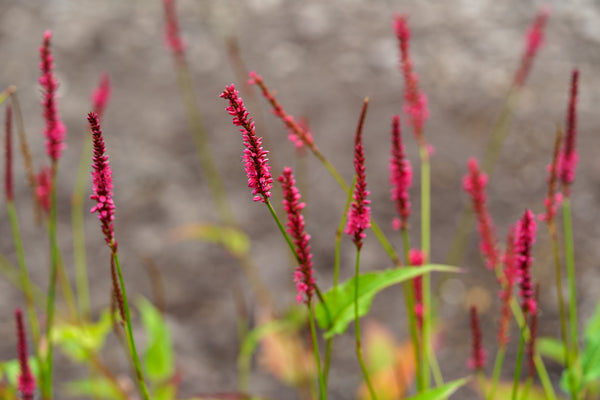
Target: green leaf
[
  {"x": 164, "y": 392},
  {"x": 441, "y": 392},
  {"x": 340, "y": 301},
  {"x": 233, "y": 240},
  {"x": 158, "y": 356},
  {"x": 78, "y": 341},
  {"x": 98, "y": 388},
  {"x": 551, "y": 348}
]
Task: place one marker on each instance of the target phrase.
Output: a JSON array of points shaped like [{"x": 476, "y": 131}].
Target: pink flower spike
[
  {"x": 101, "y": 95},
  {"x": 569, "y": 157},
  {"x": 8, "y": 178},
  {"x": 303, "y": 276},
  {"x": 534, "y": 38},
  {"x": 478, "y": 354},
  {"x": 359, "y": 215},
  {"x": 297, "y": 134},
  {"x": 507, "y": 282},
  {"x": 255, "y": 157},
  {"x": 415, "y": 101},
  {"x": 55, "y": 130},
  {"x": 102, "y": 183},
  {"x": 474, "y": 184},
  {"x": 553, "y": 199},
  {"x": 173, "y": 39},
  {"x": 43, "y": 188},
  {"x": 400, "y": 176},
  {"x": 524, "y": 239},
  {"x": 26, "y": 380},
  {"x": 417, "y": 258}
]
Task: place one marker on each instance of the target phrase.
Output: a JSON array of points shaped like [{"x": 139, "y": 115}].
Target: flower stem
[
  {"x": 129, "y": 330},
  {"x": 359, "y": 352},
  {"x": 570, "y": 264},
  {"x": 518, "y": 365},
  {"x": 496, "y": 373},
  {"x": 313, "y": 333}
]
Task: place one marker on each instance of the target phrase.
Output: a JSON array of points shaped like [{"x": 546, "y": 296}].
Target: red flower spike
[
  {"x": 303, "y": 275},
  {"x": 26, "y": 380},
  {"x": 101, "y": 95},
  {"x": 415, "y": 106},
  {"x": 102, "y": 183},
  {"x": 507, "y": 283},
  {"x": 553, "y": 199},
  {"x": 43, "y": 188},
  {"x": 417, "y": 258},
  {"x": 534, "y": 39},
  {"x": 8, "y": 178},
  {"x": 255, "y": 157},
  {"x": 400, "y": 177},
  {"x": 359, "y": 215},
  {"x": 55, "y": 130},
  {"x": 524, "y": 239},
  {"x": 474, "y": 184},
  {"x": 569, "y": 157},
  {"x": 478, "y": 354},
  {"x": 173, "y": 39},
  {"x": 298, "y": 135}
]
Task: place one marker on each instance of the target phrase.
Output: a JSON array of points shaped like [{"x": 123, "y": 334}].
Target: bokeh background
[{"x": 323, "y": 58}]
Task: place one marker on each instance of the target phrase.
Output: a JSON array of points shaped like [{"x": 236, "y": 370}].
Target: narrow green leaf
[
  {"x": 441, "y": 392},
  {"x": 97, "y": 388},
  {"x": 233, "y": 240},
  {"x": 158, "y": 355},
  {"x": 78, "y": 341},
  {"x": 341, "y": 299},
  {"x": 551, "y": 348}
]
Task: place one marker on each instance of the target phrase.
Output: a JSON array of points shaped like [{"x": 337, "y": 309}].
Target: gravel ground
[{"x": 323, "y": 58}]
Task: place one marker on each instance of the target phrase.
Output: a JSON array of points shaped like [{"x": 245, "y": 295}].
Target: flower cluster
[
  {"x": 417, "y": 258},
  {"x": 101, "y": 95},
  {"x": 255, "y": 157},
  {"x": 359, "y": 215},
  {"x": 478, "y": 354},
  {"x": 297, "y": 134},
  {"x": 553, "y": 199},
  {"x": 415, "y": 100},
  {"x": 400, "y": 177},
  {"x": 303, "y": 276},
  {"x": 26, "y": 380},
  {"x": 43, "y": 187},
  {"x": 524, "y": 239},
  {"x": 474, "y": 184},
  {"x": 54, "y": 130},
  {"x": 102, "y": 183},
  {"x": 8, "y": 178},
  {"x": 510, "y": 276},
  {"x": 569, "y": 157},
  {"x": 173, "y": 39},
  {"x": 534, "y": 39}
]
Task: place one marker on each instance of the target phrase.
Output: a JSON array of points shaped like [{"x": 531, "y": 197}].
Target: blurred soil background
[{"x": 322, "y": 58}]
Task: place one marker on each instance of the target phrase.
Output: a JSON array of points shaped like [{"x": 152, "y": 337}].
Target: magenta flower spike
[
  {"x": 534, "y": 39},
  {"x": 255, "y": 157},
  {"x": 524, "y": 239},
  {"x": 553, "y": 199},
  {"x": 359, "y": 215},
  {"x": 55, "y": 130},
  {"x": 298, "y": 135},
  {"x": 417, "y": 258},
  {"x": 507, "y": 283},
  {"x": 26, "y": 380},
  {"x": 173, "y": 39},
  {"x": 43, "y": 188},
  {"x": 474, "y": 184},
  {"x": 415, "y": 106},
  {"x": 8, "y": 177},
  {"x": 478, "y": 354},
  {"x": 102, "y": 183},
  {"x": 101, "y": 95},
  {"x": 569, "y": 156},
  {"x": 400, "y": 177},
  {"x": 303, "y": 275}
]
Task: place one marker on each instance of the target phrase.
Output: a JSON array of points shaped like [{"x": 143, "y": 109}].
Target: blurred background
[{"x": 322, "y": 58}]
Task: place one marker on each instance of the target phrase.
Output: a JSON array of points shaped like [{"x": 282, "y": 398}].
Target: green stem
[
  {"x": 570, "y": 264},
  {"x": 528, "y": 383},
  {"x": 496, "y": 373},
  {"x": 281, "y": 228},
  {"x": 77, "y": 227},
  {"x": 359, "y": 353},
  {"x": 518, "y": 365},
  {"x": 132, "y": 348},
  {"x": 313, "y": 333}
]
